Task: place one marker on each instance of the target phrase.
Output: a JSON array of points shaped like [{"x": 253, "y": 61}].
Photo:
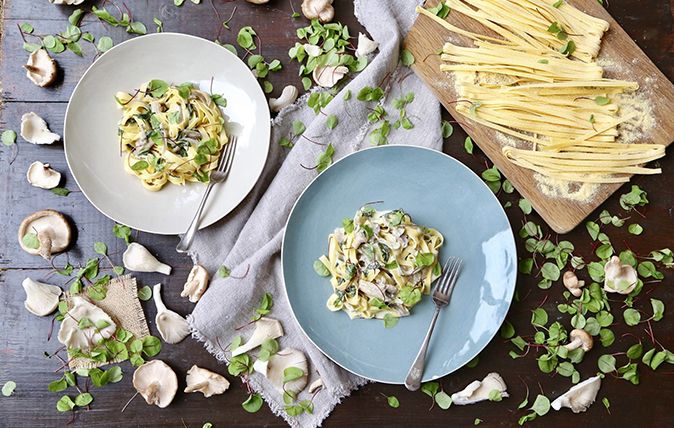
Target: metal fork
[
  {"x": 217, "y": 176},
  {"x": 441, "y": 295}
]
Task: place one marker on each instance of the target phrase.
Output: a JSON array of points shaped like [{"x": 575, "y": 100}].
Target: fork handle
[
  {"x": 413, "y": 379},
  {"x": 186, "y": 241}
]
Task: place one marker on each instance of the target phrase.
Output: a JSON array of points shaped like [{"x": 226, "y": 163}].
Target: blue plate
[{"x": 437, "y": 191}]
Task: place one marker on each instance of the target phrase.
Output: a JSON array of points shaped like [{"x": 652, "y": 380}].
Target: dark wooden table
[{"x": 23, "y": 337}]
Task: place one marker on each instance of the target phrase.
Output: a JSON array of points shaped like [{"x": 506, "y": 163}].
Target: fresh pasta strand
[{"x": 170, "y": 134}]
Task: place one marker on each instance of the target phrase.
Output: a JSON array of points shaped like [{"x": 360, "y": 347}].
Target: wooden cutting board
[{"x": 627, "y": 62}]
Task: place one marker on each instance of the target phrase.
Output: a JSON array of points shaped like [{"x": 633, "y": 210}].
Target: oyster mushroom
[
  {"x": 619, "y": 278},
  {"x": 42, "y": 175},
  {"x": 261, "y": 367},
  {"x": 365, "y": 46},
  {"x": 318, "y": 9},
  {"x": 479, "y": 390},
  {"x": 138, "y": 259},
  {"x": 51, "y": 229},
  {"x": 35, "y": 130},
  {"x": 196, "y": 284},
  {"x": 288, "y": 96},
  {"x": 328, "y": 76},
  {"x": 258, "y": 1},
  {"x": 282, "y": 360},
  {"x": 572, "y": 283},
  {"x": 265, "y": 329},
  {"x": 156, "y": 382},
  {"x": 579, "y": 338},
  {"x": 172, "y": 327},
  {"x": 41, "y": 299},
  {"x": 205, "y": 381},
  {"x": 312, "y": 50},
  {"x": 41, "y": 68},
  {"x": 580, "y": 396},
  {"x": 77, "y": 333}
]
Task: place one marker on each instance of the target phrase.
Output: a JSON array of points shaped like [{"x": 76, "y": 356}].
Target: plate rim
[
  {"x": 267, "y": 132},
  {"x": 283, "y": 273}
]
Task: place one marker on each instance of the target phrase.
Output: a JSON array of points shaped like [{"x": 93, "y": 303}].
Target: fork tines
[{"x": 450, "y": 273}]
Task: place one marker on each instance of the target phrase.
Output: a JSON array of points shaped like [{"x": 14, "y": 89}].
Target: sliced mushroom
[
  {"x": 197, "y": 282},
  {"x": 619, "y": 278},
  {"x": 172, "y": 327},
  {"x": 365, "y": 46},
  {"x": 76, "y": 332},
  {"x": 42, "y": 175},
  {"x": 35, "y": 130},
  {"x": 51, "y": 230},
  {"x": 139, "y": 259},
  {"x": 282, "y": 360},
  {"x": 205, "y": 381},
  {"x": 328, "y": 76},
  {"x": 156, "y": 382},
  {"x": 579, "y": 338},
  {"x": 41, "y": 299},
  {"x": 318, "y": 9},
  {"x": 41, "y": 68},
  {"x": 572, "y": 283},
  {"x": 288, "y": 96},
  {"x": 479, "y": 390},
  {"x": 580, "y": 396},
  {"x": 265, "y": 329},
  {"x": 316, "y": 386},
  {"x": 258, "y": 1}
]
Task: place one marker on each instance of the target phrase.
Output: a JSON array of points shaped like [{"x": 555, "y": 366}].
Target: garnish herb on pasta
[
  {"x": 380, "y": 264},
  {"x": 170, "y": 133}
]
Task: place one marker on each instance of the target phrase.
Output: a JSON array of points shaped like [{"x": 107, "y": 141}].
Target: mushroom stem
[
  {"x": 153, "y": 393},
  {"x": 156, "y": 296},
  {"x": 574, "y": 344}
]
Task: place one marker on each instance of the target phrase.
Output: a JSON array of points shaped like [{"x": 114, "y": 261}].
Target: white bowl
[{"x": 92, "y": 146}]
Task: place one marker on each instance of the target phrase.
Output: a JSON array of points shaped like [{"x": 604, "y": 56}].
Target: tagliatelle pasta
[
  {"x": 538, "y": 81},
  {"x": 170, "y": 134},
  {"x": 380, "y": 264}
]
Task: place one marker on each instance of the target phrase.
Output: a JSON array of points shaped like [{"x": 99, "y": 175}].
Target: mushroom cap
[
  {"x": 137, "y": 258},
  {"x": 619, "y": 278},
  {"x": 52, "y": 229},
  {"x": 580, "y": 396},
  {"x": 41, "y": 68},
  {"x": 365, "y": 45},
  {"x": 34, "y": 130},
  {"x": 71, "y": 335},
  {"x": 478, "y": 391},
  {"x": 205, "y": 381},
  {"x": 172, "y": 327},
  {"x": 196, "y": 284},
  {"x": 572, "y": 283},
  {"x": 156, "y": 382},
  {"x": 328, "y": 76},
  {"x": 318, "y": 9},
  {"x": 265, "y": 328},
  {"x": 282, "y": 360},
  {"x": 583, "y": 336},
  {"x": 316, "y": 386},
  {"x": 42, "y": 175},
  {"x": 288, "y": 96},
  {"x": 41, "y": 299}
]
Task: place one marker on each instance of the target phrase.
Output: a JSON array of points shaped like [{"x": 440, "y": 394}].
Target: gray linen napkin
[{"x": 249, "y": 239}]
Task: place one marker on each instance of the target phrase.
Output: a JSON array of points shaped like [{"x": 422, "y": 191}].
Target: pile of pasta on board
[{"x": 536, "y": 78}]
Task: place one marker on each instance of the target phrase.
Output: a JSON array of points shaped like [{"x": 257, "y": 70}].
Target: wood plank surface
[
  {"x": 628, "y": 62},
  {"x": 23, "y": 337}
]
